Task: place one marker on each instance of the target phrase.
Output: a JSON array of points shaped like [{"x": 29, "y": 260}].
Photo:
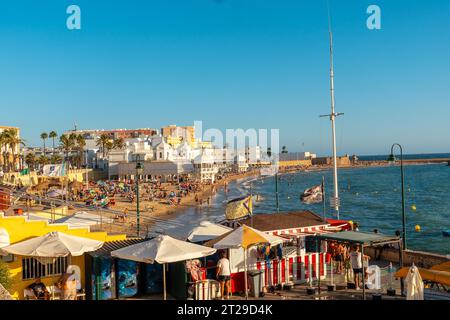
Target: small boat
[{"x": 446, "y": 233}]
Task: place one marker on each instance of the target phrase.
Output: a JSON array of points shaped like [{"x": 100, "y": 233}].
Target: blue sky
[{"x": 231, "y": 64}]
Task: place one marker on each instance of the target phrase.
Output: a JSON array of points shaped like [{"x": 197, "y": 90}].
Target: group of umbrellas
[{"x": 162, "y": 249}]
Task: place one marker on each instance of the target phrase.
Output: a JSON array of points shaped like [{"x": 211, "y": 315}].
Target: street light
[
  {"x": 139, "y": 171},
  {"x": 392, "y": 159}
]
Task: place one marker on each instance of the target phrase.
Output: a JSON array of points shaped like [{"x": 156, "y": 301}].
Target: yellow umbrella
[{"x": 242, "y": 237}]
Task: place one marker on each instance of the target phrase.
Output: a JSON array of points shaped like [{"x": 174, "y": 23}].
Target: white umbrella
[
  {"x": 84, "y": 219},
  {"x": 207, "y": 231},
  {"x": 245, "y": 237},
  {"x": 163, "y": 249},
  {"x": 4, "y": 294},
  {"x": 414, "y": 284},
  {"x": 4, "y": 238},
  {"x": 52, "y": 245}
]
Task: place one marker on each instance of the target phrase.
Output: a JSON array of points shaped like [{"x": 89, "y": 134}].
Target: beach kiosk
[
  {"x": 297, "y": 259},
  {"x": 163, "y": 250},
  {"x": 362, "y": 240}
]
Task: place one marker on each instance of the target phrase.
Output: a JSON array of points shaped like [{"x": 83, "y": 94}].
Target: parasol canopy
[
  {"x": 244, "y": 237},
  {"x": 207, "y": 231},
  {"x": 163, "y": 249},
  {"x": 52, "y": 245}
]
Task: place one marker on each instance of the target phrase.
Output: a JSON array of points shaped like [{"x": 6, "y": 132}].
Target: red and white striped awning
[{"x": 300, "y": 231}]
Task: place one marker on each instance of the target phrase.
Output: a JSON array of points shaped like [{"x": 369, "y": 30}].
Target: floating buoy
[
  {"x": 417, "y": 228},
  {"x": 413, "y": 207}
]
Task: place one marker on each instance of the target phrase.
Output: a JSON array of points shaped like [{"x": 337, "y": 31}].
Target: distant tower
[{"x": 75, "y": 125}]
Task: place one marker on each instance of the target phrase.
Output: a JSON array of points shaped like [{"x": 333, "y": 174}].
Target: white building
[
  {"x": 240, "y": 164},
  {"x": 205, "y": 167}
]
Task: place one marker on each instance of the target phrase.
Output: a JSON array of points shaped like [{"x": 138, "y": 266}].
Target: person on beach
[
  {"x": 339, "y": 257},
  {"x": 357, "y": 265},
  {"x": 39, "y": 289},
  {"x": 223, "y": 274}
]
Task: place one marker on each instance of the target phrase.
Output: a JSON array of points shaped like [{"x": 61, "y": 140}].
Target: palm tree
[
  {"x": 3, "y": 147},
  {"x": 31, "y": 160},
  {"x": 119, "y": 144},
  {"x": 284, "y": 149},
  {"x": 109, "y": 146},
  {"x": 42, "y": 160},
  {"x": 52, "y": 135},
  {"x": 10, "y": 140},
  {"x": 14, "y": 141},
  {"x": 44, "y": 136},
  {"x": 102, "y": 141},
  {"x": 56, "y": 158},
  {"x": 67, "y": 145},
  {"x": 81, "y": 143}
]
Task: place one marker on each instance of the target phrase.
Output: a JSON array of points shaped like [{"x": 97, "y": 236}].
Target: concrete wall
[
  {"x": 420, "y": 259},
  {"x": 294, "y": 163}
]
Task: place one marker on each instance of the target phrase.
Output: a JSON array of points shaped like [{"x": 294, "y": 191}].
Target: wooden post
[
  {"x": 363, "y": 273},
  {"x": 164, "y": 280}
]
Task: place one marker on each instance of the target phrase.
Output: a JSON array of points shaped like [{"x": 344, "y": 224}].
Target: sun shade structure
[
  {"x": 4, "y": 238},
  {"x": 244, "y": 237},
  {"x": 207, "y": 231},
  {"x": 163, "y": 249},
  {"x": 84, "y": 219},
  {"x": 53, "y": 245},
  {"x": 356, "y": 237},
  {"x": 361, "y": 239}
]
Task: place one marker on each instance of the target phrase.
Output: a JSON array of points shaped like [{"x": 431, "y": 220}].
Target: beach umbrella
[
  {"x": 4, "y": 294},
  {"x": 244, "y": 237},
  {"x": 53, "y": 245},
  {"x": 84, "y": 219},
  {"x": 163, "y": 249},
  {"x": 414, "y": 284},
  {"x": 207, "y": 231}
]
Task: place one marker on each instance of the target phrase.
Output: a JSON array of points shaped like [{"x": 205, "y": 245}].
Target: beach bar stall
[
  {"x": 297, "y": 260},
  {"x": 362, "y": 240},
  {"x": 163, "y": 250},
  {"x": 109, "y": 278}
]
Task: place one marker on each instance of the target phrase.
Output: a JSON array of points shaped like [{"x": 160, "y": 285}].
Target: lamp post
[
  {"x": 392, "y": 159},
  {"x": 139, "y": 171}
]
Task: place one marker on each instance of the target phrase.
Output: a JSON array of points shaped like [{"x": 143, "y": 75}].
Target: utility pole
[{"x": 335, "y": 202}]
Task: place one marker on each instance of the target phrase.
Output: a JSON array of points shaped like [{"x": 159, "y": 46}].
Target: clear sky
[{"x": 231, "y": 64}]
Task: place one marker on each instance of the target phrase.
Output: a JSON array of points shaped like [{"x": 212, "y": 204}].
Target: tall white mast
[{"x": 335, "y": 202}]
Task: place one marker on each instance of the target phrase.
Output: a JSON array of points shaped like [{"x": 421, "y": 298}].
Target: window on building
[{"x": 32, "y": 268}]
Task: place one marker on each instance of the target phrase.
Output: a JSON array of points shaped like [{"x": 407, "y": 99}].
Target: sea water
[{"x": 370, "y": 196}]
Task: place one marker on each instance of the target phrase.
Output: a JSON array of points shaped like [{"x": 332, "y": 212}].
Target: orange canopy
[
  {"x": 436, "y": 276},
  {"x": 442, "y": 267}
]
